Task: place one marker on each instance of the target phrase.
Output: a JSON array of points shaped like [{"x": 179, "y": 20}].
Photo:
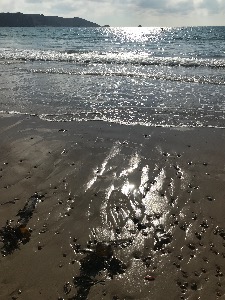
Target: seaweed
[
  {"x": 92, "y": 265},
  {"x": 13, "y": 236}
]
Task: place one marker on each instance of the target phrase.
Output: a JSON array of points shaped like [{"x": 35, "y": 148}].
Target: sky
[{"x": 127, "y": 12}]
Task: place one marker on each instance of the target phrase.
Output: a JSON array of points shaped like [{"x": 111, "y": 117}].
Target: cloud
[
  {"x": 180, "y": 6},
  {"x": 127, "y": 12},
  {"x": 213, "y": 6}
]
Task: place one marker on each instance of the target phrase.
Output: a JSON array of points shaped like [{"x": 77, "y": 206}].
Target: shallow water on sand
[{"x": 149, "y": 76}]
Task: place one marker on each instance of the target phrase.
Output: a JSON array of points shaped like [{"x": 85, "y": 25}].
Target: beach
[{"x": 98, "y": 210}]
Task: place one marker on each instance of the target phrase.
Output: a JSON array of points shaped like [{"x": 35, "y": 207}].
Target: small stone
[
  {"x": 191, "y": 246},
  {"x": 198, "y": 235},
  {"x": 117, "y": 231},
  {"x": 149, "y": 278},
  {"x": 62, "y": 130},
  {"x": 141, "y": 226},
  {"x": 185, "y": 274},
  {"x": 203, "y": 270},
  {"x": 135, "y": 220},
  {"x": 183, "y": 227},
  {"x": 194, "y": 286},
  {"x": 204, "y": 224}
]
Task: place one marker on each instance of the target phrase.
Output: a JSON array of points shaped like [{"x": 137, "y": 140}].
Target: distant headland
[{"x": 36, "y": 20}]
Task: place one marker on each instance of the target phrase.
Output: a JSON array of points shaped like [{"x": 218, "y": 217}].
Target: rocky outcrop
[{"x": 34, "y": 20}]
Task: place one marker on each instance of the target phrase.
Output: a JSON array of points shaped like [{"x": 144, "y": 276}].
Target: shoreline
[{"x": 152, "y": 195}]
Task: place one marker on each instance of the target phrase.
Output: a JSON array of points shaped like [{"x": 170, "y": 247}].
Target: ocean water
[{"x": 149, "y": 76}]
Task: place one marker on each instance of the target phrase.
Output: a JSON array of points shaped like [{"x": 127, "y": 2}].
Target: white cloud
[{"x": 128, "y": 12}]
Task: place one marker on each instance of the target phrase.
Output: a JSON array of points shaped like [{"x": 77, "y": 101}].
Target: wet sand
[{"x": 94, "y": 210}]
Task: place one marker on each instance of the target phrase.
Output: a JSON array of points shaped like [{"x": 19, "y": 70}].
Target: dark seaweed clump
[
  {"x": 12, "y": 236},
  {"x": 92, "y": 265}
]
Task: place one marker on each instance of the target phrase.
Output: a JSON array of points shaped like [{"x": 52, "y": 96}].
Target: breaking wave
[{"x": 85, "y": 57}]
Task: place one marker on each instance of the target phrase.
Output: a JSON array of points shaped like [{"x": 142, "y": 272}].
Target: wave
[
  {"x": 93, "y": 117},
  {"x": 85, "y": 57},
  {"x": 218, "y": 80}
]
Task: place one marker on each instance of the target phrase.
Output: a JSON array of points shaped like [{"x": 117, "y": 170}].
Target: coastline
[{"x": 154, "y": 195}]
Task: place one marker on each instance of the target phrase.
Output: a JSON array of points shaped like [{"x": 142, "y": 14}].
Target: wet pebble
[
  {"x": 194, "y": 217},
  {"x": 62, "y": 130},
  {"x": 204, "y": 224},
  {"x": 198, "y": 235},
  {"x": 117, "y": 230},
  {"x": 194, "y": 286},
  {"x": 203, "y": 270},
  {"x": 147, "y": 261},
  {"x": 135, "y": 220},
  {"x": 141, "y": 226},
  {"x": 183, "y": 227},
  {"x": 191, "y": 246},
  {"x": 67, "y": 288},
  {"x": 184, "y": 274},
  {"x": 176, "y": 265},
  {"x": 149, "y": 278}
]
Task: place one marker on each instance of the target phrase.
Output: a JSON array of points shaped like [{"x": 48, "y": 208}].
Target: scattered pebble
[
  {"x": 62, "y": 130},
  {"x": 149, "y": 278},
  {"x": 194, "y": 286}
]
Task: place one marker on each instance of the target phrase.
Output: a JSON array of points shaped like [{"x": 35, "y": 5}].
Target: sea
[{"x": 152, "y": 76}]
